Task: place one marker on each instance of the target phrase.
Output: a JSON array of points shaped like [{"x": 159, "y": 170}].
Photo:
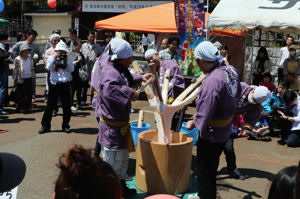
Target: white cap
[
  {"x": 54, "y": 35},
  {"x": 150, "y": 52},
  {"x": 119, "y": 49},
  {"x": 62, "y": 46},
  {"x": 259, "y": 95}
]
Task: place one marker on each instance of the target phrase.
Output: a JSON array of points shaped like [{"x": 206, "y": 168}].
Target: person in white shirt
[
  {"x": 293, "y": 139},
  {"x": 284, "y": 54},
  {"x": 60, "y": 77},
  {"x": 91, "y": 51},
  {"x": 22, "y": 75},
  {"x": 145, "y": 42}
]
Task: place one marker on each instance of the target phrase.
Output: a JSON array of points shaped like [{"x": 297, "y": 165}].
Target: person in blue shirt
[
  {"x": 260, "y": 131},
  {"x": 271, "y": 106},
  {"x": 276, "y": 99}
]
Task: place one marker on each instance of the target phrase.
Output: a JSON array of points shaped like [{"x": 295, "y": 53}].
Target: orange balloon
[{"x": 52, "y": 3}]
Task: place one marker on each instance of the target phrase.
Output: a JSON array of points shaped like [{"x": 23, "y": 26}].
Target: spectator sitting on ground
[
  {"x": 260, "y": 132},
  {"x": 84, "y": 177},
  {"x": 12, "y": 171},
  {"x": 283, "y": 184},
  {"x": 272, "y": 105},
  {"x": 293, "y": 139},
  {"x": 267, "y": 82}
]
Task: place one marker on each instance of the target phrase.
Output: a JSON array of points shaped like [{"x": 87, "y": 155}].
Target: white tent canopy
[{"x": 273, "y": 15}]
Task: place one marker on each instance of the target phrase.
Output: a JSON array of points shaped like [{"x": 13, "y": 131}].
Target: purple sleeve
[
  {"x": 114, "y": 91},
  {"x": 177, "y": 78},
  {"x": 253, "y": 115},
  {"x": 207, "y": 101},
  {"x": 137, "y": 78}
]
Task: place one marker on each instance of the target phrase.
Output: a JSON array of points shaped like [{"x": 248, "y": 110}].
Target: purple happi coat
[
  {"x": 176, "y": 77},
  {"x": 95, "y": 81},
  {"x": 217, "y": 101},
  {"x": 251, "y": 112},
  {"x": 115, "y": 104}
]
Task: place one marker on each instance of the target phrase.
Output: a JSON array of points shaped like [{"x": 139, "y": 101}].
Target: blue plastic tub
[
  {"x": 135, "y": 130},
  {"x": 192, "y": 133}
]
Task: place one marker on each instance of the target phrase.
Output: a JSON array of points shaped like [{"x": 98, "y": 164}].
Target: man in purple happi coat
[
  {"x": 249, "y": 105},
  {"x": 95, "y": 87},
  {"x": 176, "y": 84},
  {"x": 116, "y": 91},
  {"x": 215, "y": 107}
]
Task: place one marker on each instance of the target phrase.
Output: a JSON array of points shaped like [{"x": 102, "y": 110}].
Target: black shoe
[
  {"x": 127, "y": 193},
  {"x": 2, "y": 112},
  {"x": 44, "y": 129},
  {"x": 281, "y": 142},
  {"x": 66, "y": 129},
  {"x": 236, "y": 174}
]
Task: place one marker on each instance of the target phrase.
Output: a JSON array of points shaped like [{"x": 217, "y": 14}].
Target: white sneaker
[
  {"x": 193, "y": 196},
  {"x": 73, "y": 108}
]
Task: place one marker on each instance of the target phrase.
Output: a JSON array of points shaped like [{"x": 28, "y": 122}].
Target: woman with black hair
[
  {"x": 283, "y": 184},
  {"x": 261, "y": 65}
]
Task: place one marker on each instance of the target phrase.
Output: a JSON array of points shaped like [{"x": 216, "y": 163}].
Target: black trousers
[
  {"x": 280, "y": 74},
  {"x": 76, "y": 86},
  {"x": 277, "y": 123},
  {"x": 61, "y": 90},
  {"x": 85, "y": 87},
  {"x": 230, "y": 154},
  {"x": 208, "y": 156},
  {"x": 293, "y": 139},
  {"x": 24, "y": 94}
]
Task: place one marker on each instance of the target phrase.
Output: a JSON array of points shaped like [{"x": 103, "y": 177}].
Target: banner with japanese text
[{"x": 190, "y": 16}]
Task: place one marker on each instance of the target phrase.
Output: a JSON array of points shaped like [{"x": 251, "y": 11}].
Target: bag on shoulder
[{"x": 83, "y": 73}]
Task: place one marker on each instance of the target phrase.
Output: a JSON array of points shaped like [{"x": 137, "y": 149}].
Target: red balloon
[{"x": 52, "y": 3}]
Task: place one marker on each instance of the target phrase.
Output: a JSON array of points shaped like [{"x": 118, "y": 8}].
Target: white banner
[{"x": 118, "y": 6}]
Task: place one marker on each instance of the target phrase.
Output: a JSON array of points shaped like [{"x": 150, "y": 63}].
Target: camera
[{"x": 61, "y": 61}]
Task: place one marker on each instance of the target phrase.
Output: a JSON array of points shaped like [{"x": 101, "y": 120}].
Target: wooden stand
[{"x": 163, "y": 168}]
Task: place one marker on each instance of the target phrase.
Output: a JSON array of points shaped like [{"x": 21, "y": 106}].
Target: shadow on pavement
[
  {"x": 249, "y": 195},
  {"x": 16, "y": 120},
  {"x": 80, "y": 114},
  {"x": 252, "y": 173},
  {"x": 89, "y": 131}
]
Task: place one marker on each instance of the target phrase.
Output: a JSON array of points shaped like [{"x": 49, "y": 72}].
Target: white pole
[
  {"x": 252, "y": 54},
  {"x": 207, "y": 30}
]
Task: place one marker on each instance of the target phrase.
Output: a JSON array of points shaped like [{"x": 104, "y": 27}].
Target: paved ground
[{"x": 257, "y": 159}]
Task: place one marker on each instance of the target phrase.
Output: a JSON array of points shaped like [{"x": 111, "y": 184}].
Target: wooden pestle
[
  {"x": 155, "y": 82},
  {"x": 190, "y": 89},
  {"x": 165, "y": 89},
  {"x": 138, "y": 71},
  {"x": 141, "y": 118}
]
